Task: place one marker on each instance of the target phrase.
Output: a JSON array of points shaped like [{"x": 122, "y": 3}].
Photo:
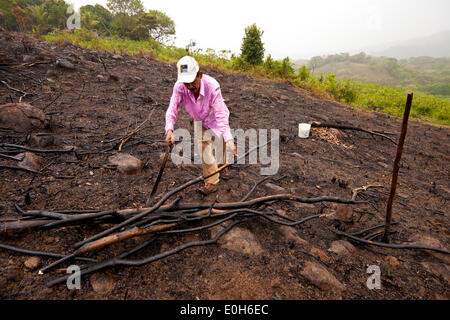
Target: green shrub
[
  {"x": 252, "y": 48},
  {"x": 304, "y": 72}
]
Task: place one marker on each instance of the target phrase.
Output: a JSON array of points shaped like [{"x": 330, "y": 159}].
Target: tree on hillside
[
  {"x": 304, "y": 73},
  {"x": 154, "y": 24},
  {"x": 252, "y": 48},
  {"x": 163, "y": 28},
  {"x": 129, "y": 7},
  {"x": 315, "y": 62},
  {"x": 27, "y": 15},
  {"x": 286, "y": 68},
  {"x": 7, "y": 19},
  {"x": 96, "y": 18},
  {"x": 359, "y": 58},
  {"x": 20, "y": 17},
  {"x": 269, "y": 63},
  {"x": 37, "y": 16},
  {"x": 125, "y": 12},
  {"x": 56, "y": 13}
]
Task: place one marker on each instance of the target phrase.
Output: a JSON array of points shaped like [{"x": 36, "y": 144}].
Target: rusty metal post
[{"x": 396, "y": 168}]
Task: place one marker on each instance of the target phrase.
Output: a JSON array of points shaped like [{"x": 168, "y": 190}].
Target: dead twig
[
  {"x": 41, "y": 253},
  {"x": 23, "y": 94},
  {"x": 8, "y": 145},
  {"x": 317, "y": 124},
  {"x": 393, "y": 246},
  {"x": 10, "y": 157},
  {"x": 4, "y": 166}
]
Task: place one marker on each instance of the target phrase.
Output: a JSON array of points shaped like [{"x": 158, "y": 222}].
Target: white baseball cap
[{"x": 187, "y": 69}]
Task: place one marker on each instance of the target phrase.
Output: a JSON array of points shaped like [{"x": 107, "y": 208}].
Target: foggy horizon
[{"x": 302, "y": 29}]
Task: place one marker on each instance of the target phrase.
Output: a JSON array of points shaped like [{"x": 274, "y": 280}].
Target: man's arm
[
  {"x": 173, "y": 109},
  {"x": 172, "y": 114},
  {"x": 222, "y": 114}
]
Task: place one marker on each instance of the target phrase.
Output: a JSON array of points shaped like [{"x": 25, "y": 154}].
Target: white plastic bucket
[{"x": 303, "y": 130}]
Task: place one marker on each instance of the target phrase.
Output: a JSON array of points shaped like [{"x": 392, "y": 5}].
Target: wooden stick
[
  {"x": 396, "y": 168},
  {"x": 19, "y": 168},
  {"x": 41, "y": 253},
  {"x": 393, "y": 246},
  {"x": 10, "y": 157},
  {"x": 9, "y": 145}
]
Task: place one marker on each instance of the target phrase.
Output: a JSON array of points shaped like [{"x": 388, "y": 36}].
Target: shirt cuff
[
  {"x": 227, "y": 136},
  {"x": 169, "y": 126}
]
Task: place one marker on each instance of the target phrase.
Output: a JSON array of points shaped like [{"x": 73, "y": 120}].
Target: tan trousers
[{"x": 209, "y": 160}]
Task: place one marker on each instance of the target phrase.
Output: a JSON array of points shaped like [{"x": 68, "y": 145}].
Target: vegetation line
[{"x": 126, "y": 27}]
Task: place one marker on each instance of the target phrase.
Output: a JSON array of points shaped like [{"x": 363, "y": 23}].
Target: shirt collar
[
  {"x": 202, "y": 86},
  {"x": 202, "y": 89}
]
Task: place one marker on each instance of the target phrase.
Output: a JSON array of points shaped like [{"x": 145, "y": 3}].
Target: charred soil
[{"x": 95, "y": 101}]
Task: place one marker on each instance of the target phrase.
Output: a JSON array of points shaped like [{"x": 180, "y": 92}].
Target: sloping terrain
[{"x": 105, "y": 96}]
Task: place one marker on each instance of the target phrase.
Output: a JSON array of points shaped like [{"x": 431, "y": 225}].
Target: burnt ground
[{"x": 93, "y": 108}]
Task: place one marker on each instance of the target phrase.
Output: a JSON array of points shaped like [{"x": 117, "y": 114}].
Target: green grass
[{"x": 392, "y": 100}]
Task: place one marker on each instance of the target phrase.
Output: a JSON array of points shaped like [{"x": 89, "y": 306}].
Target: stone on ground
[
  {"x": 30, "y": 161},
  {"x": 102, "y": 283},
  {"x": 342, "y": 248},
  {"x": 126, "y": 164},
  {"x": 21, "y": 117},
  {"x": 321, "y": 277},
  {"x": 241, "y": 240},
  {"x": 32, "y": 263}
]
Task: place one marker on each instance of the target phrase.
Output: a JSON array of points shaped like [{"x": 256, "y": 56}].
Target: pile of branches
[{"x": 161, "y": 218}]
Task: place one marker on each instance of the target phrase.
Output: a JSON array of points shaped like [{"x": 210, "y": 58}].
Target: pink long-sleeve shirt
[{"x": 208, "y": 108}]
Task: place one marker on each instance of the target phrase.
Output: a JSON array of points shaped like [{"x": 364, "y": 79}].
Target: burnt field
[{"x": 95, "y": 103}]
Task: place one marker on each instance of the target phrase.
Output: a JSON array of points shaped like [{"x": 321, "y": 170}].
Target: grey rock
[
  {"x": 27, "y": 58},
  {"x": 321, "y": 277},
  {"x": 30, "y": 161},
  {"x": 63, "y": 63},
  {"x": 290, "y": 233},
  {"x": 274, "y": 187},
  {"x": 32, "y": 263},
  {"x": 342, "y": 248},
  {"x": 241, "y": 240},
  {"x": 102, "y": 283},
  {"x": 344, "y": 212},
  {"x": 50, "y": 74},
  {"x": 41, "y": 139},
  {"x": 126, "y": 164},
  {"x": 21, "y": 117}
]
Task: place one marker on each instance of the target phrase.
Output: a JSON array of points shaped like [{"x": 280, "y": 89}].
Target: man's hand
[
  {"x": 170, "y": 138},
  {"x": 231, "y": 148}
]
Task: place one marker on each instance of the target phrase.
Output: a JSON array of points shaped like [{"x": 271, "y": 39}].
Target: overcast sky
[{"x": 301, "y": 28}]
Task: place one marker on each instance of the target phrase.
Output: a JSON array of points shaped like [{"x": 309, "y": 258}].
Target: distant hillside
[
  {"x": 427, "y": 74},
  {"x": 300, "y": 62},
  {"x": 359, "y": 72},
  {"x": 436, "y": 45}
]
